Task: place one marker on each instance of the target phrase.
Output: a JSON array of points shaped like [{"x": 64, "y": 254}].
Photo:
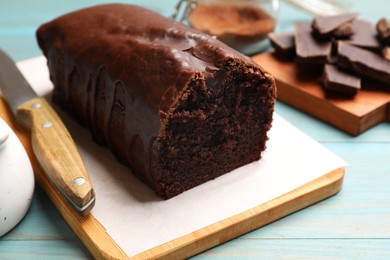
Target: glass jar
[{"x": 241, "y": 24}]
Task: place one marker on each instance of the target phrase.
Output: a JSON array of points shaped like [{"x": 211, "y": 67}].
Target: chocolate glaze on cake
[{"x": 177, "y": 106}]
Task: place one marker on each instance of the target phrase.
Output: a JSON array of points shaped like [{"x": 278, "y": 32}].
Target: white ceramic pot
[{"x": 16, "y": 179}]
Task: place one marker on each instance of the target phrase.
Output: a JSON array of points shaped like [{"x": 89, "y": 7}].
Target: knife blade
[{"x": 52, "y": 144}]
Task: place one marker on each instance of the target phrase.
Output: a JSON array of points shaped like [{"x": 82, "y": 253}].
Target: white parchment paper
[{"x": 138, "y": 220}]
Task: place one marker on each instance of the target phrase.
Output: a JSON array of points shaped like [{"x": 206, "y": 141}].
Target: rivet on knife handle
[{"x": 57, "y": 153}]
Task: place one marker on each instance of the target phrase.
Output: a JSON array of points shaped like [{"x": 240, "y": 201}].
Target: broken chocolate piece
[
  {"x": 344, "y": 31},
  {"x": 386, "y": 52},
  {"x": 339, "y": 81},
  {"x": 365, "y": 35},
  {"x": 383, "y": 28},
  {"x": 363, "y": 62},
  {"x": 283, "y": 42},
  {"x": 324, "y": 26},
  {"x": 308, "y": 49}
]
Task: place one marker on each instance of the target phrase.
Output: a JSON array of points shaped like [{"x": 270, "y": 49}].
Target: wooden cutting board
[
  {"x": 101, "y": 245},
  {"x": 303, "y": 91}
]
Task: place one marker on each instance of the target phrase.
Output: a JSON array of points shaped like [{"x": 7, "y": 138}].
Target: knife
[{"x": 51, "y": 142}]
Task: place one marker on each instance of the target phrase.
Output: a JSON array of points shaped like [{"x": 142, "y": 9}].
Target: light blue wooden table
[{"x": 354, "y": 224}]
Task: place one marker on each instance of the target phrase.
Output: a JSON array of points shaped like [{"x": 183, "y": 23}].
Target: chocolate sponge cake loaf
[{"x": 176, "y": 105}]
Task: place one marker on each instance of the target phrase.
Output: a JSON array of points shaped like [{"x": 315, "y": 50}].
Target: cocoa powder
[{"x": 234, "y": 25}]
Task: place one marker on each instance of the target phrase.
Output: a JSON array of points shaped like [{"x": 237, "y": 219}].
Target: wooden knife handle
[{"x": 56, "y": 151}]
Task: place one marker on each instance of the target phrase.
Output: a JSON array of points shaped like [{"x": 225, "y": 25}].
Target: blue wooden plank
[
  {"x": 16, "y": 47},
  {"x": 26, "y": 15},
  {"x": 42, "y": 249},
  {"x": 20, "y": 19},
  {"x": 353, "y": 224},
  {"x": 300, "y": 249}
]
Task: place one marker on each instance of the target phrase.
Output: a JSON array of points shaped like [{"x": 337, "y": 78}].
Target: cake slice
[{"x": 176, "y": 105}]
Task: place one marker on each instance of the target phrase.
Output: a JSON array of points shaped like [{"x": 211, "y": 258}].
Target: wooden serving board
[
  {"x": 302, "y": 90},
  {"x": 101, "y": 245}
]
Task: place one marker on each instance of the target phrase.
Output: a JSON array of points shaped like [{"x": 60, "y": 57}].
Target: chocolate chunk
[
  {"x": 363, "y": 62},
  {"x": 283, "y": 42},
  {"x": 365, "y": 35},
  {"x": 340, "y": 81},
  {"x": 383, "y": 28},
  {"x": 344, "y": 31},
  {"x": 308, "y": 49},
  {"x": 386, "y": 52},
  {"x": 324, "y": 26}
]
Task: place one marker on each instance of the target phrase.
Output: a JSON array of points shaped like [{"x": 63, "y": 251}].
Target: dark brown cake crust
[{"x": 177, "y": 106}]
